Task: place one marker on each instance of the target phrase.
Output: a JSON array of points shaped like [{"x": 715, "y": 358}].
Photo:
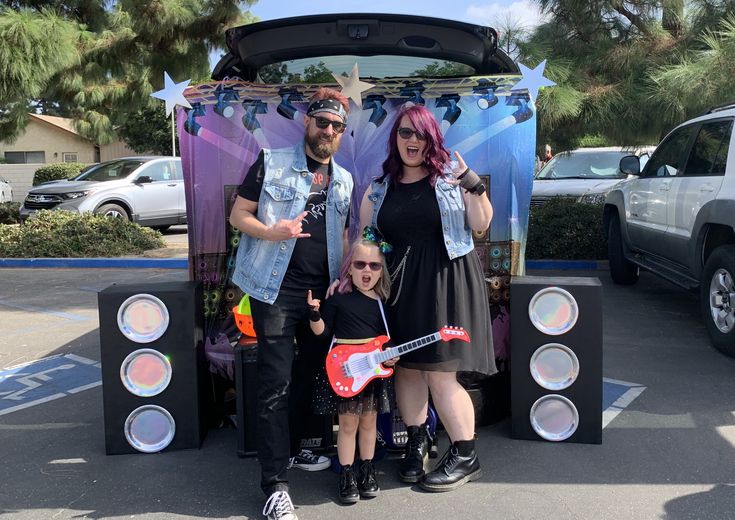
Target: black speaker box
[
  {"x": 187, "y": 397},
  {"x": 317, "y": 432},
  {"x": 566, "y": 340}
]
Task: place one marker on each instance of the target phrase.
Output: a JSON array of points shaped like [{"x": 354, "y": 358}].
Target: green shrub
[
  {"x": 57, "y": 172},
  {"x": 563, "y": 229},
  {"x": 9, "y": 212},
  {"x": 64, "y": 234}
]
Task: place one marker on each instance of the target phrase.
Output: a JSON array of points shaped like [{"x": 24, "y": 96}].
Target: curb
[
  {"x": 103, "y": 263},
  {"x": 183, "y": 263}
]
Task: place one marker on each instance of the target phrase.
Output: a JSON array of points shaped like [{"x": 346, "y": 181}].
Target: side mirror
[
  {"x": 143, "y": 179},
  {"x": 630, "y": 165}
]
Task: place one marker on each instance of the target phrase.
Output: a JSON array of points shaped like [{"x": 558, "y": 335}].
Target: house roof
[{"x": 64, "y": 123}]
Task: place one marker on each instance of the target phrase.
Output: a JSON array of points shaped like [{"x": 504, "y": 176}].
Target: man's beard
[{"x": 321, "y": 149}]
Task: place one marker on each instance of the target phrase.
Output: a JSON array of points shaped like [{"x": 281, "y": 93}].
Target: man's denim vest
[
  {"x": 457, "y": 234},
  {"x": 261, "y": 264}
]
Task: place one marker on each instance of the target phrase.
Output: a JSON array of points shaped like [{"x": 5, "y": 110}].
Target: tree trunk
[{"x": 673, "y": 14}]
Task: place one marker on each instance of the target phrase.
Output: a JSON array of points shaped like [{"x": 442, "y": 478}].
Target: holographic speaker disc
[
  {"x": 145, "y": 372},
  {"x": 554, "y": 417},
  {"x": 554, "y": 366},
  {"x": 149, "y": 428},
  {"x": 142, "y": 318},
  {"x": 553, "y": 311}
]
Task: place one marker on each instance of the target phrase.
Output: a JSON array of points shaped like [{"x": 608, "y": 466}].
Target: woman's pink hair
[
  {"x": 436, "y": 155},
  {"x": 382, "y": 288}
]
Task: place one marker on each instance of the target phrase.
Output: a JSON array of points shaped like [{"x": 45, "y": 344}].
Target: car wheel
[
  {"x": 718, "y": 298},
  {"x": 622, "y": 271},
  {"x": 161, "y": 228},
  {"x": 113, "y": 211}
]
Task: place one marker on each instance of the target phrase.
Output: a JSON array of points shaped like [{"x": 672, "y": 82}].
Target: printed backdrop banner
[{"x": 221, "y": 135}]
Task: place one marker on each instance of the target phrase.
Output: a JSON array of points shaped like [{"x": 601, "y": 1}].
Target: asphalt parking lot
[{"x": 668, "y": 455}]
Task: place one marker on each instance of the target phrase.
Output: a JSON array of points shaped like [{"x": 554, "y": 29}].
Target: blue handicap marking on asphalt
[
  {"x": 616, "y": 396},
  {"x": 46, "y": 379}
]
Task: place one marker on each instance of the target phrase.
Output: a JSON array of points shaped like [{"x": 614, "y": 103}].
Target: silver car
[
  {"x": 6, "y": 191},
  {"x": 146, "y": 190},
  {"x": 584, "y": 174}
]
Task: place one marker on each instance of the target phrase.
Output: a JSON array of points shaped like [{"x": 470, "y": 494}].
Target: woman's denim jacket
[
  {"x": 457, "y": 234},
  {"x": 261, "y": 264}
]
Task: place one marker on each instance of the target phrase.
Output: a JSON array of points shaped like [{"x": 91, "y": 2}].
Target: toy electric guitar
[{"x": 351, "y": 367}]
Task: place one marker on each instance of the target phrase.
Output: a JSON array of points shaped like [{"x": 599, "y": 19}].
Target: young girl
[{"x": 354, "y": 315}]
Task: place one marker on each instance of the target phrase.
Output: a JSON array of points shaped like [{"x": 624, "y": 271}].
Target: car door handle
[
  {"x": 171, "y": 184},
  {"x": 706, "y": 187}
]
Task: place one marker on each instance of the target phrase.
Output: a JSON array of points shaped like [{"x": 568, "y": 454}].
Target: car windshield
[
  {"x": 109, "y": 171},
  {"x": 320, "y": 70},
  {"x": 587, "y": 165}
]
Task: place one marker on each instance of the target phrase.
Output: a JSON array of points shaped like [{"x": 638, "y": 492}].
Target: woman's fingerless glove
[
  {"x": 314, "y": 314},
  {"x": 470, "y": 181}
]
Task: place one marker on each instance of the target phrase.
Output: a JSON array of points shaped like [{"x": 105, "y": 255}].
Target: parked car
[
  {"x": 675, "y": 217},
  {"x": 146, "y": 190},
  {"x": 585, "y": 174},
  {"x": 6, "y": 191}
]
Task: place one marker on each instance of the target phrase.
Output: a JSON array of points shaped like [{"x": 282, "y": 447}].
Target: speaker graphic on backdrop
[
  {"x": 556, "y": 359},
  {"x": 153, "y": 369}
]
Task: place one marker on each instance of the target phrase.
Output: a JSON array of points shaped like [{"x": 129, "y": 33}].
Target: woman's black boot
[
  {"x": 411, "y": 468},
  {"x": 459, "y": 465},
  {"x": 367, "y": 484},
  {"x": 348, "y": 493}
]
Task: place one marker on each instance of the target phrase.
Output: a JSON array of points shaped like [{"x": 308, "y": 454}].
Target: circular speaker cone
[
  {"x": 553, "y": 311},
  {"x": 554, "y": 417},
  {"x": 142, "y": 318},
  {"x": 145, "y": 372},
  {"x": 149, "y": 428},
  {"x": 554, "y": 366}
]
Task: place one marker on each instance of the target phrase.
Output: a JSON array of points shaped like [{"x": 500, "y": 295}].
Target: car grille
[
  {"x": 42, "y": 201},
  {"x": 539, "y": 201}
]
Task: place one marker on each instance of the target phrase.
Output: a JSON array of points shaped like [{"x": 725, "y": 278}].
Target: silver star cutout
[
  {"x": 352, "y": 87},
  {"x": 533, "y": 79},
  {"x": 172, "y": 93}
]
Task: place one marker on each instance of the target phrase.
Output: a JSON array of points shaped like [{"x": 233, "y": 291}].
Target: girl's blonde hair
[{"x": 382, "y": 288}]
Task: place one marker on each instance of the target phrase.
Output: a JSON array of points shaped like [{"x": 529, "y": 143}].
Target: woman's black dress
[
  {"x": 428, "y": 289},
  {"x": 353, "y": 316}
]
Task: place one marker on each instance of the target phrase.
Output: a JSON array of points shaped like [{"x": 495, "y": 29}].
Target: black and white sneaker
[
  {"x": 309, "y": 461},
  {"x": 279, "y": 507}
]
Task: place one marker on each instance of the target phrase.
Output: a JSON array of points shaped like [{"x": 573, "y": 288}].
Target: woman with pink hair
[{"x": 427, "y": 211}]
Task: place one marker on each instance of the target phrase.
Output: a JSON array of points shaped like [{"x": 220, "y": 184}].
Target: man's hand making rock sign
[{"x": 286, "y": 229}]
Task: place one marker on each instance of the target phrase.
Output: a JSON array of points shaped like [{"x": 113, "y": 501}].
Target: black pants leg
[{"x": 280, "y": 403}]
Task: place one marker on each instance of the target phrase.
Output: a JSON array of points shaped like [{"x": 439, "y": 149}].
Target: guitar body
[{"x": 351, "y": 367}]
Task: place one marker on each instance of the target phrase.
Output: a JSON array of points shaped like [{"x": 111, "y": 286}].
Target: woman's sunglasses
[
  {"x": 323, "y": 123},
  {"x": 360, "y": 265},
  {"x": 406, "y": 133}
]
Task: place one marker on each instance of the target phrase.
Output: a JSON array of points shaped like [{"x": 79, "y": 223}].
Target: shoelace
[
  {"x": 452, "y": 460},
  {"x": 307, "y": 455},
  {"x": 280, "y": 502}
]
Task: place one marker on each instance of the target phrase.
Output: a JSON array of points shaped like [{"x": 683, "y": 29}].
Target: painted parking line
[
  {"x": 45, "y": 380},
  {"x": 616, "y": 396},
  {"x": 33, "y": 308}
]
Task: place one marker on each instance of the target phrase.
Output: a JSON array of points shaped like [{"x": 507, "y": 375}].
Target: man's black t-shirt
[{"x": 308, "y": 268}]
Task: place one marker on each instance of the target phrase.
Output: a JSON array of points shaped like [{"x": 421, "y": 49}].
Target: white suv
[{"x": 676, "y": 218}]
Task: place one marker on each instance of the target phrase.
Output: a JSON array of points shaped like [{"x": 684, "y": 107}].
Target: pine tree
[{"x": 99, "y": 61}]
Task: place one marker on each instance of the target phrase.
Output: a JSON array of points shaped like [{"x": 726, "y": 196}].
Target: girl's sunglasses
[
  {"x": 360, "y": 265},
  {"x": 323, "y": 123},
  {"x": 406, "y": 133}
]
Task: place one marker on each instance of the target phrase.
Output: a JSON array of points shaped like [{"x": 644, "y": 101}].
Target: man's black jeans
[{"x": 285, "y": 382}]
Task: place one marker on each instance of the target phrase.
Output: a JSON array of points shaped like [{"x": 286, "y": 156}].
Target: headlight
[
  {"x": 592, "y": 198},
  {"x": 77, "y": 194}
]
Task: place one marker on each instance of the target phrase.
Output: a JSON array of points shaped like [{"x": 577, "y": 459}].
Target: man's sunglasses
[
  {"x": 324, "y": 123},
  {"x": 406, "y": 133},
  {"x": 360, "y": 265}
]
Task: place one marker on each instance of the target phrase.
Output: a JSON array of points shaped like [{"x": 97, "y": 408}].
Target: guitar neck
[{"x": 407, "y": 347}]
